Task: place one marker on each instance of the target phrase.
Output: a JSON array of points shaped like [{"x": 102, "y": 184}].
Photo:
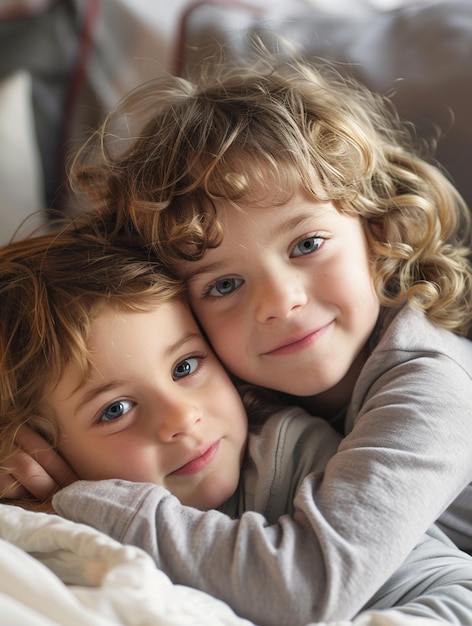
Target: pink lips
[
  {"x": 298, "y": 343},
  {"x": 199, "y": 463}
]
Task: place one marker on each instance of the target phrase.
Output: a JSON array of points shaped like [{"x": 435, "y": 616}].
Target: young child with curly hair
[{"x": 327, "y": 260}]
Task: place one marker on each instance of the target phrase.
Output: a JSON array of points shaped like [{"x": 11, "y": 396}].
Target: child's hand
[{"x": 37, "y": 469}]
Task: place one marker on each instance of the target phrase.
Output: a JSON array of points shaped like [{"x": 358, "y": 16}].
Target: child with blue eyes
[
  {"x": 102, "y": 357},
  {"x": 328, "y": 261}
]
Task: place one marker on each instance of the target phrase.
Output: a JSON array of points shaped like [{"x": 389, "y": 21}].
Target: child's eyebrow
[
  {"x": 200, "y": 270},
  {"x": 98, "y": 390},
  {"x": 95, "y": 392},
  {"x": 295, "y": 221},
  {"x": 189, "y": 336}
]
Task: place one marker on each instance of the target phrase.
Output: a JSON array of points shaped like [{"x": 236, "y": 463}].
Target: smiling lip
[
  {"x": 298, "y": 343},
  {"x": 198, "y": 463}
]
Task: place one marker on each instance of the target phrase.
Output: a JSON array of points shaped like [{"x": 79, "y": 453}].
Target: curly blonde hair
[
  {"x": 51, "y": 287},
  {"x": 278, "y": 123}
]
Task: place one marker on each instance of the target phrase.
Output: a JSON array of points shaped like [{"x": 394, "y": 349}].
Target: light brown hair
[{"x": 275, "y": 124}]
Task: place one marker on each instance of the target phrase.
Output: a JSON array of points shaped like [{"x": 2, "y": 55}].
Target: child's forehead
[
  {"x": 172, "y": 310},
  {"x": 276, "y": 215},
  {"x": 118, "y": 332},
  {"x": 288, "y": 192}
]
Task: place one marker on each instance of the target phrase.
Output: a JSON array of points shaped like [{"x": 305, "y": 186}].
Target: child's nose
[
  {"x": 177, "y": 418},
  {"x": 279, "y": 296}
]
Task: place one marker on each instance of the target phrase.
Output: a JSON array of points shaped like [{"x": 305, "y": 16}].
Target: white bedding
[
  {"x": 106, "y": 583},
  {"x": 56, "y": 572}
]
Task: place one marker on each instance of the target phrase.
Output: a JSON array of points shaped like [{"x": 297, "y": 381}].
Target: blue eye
[
  {"x": 185, "y": 368},
  {"x": 224, "y": 286},
  {"x": 307, "y": 246},
  {"x": 116, "y": 410}
]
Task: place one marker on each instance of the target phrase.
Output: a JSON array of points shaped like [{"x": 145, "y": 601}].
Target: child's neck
[
  {"x": 329, "y": 403},
  {"x": 326, "y": 405}
]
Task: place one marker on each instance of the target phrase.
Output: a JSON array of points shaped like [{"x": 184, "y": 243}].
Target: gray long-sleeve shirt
[
  {"x": 265, "y": 564},
  {"x": 406, "y": 457}
]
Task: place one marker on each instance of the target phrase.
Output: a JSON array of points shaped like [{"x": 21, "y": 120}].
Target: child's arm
[
  {"x": 408, "y": 456},
  {"x": 295, "y": 567},
  {"x": 434, "y": 582},
  {"x": 269, "y": 574}
]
